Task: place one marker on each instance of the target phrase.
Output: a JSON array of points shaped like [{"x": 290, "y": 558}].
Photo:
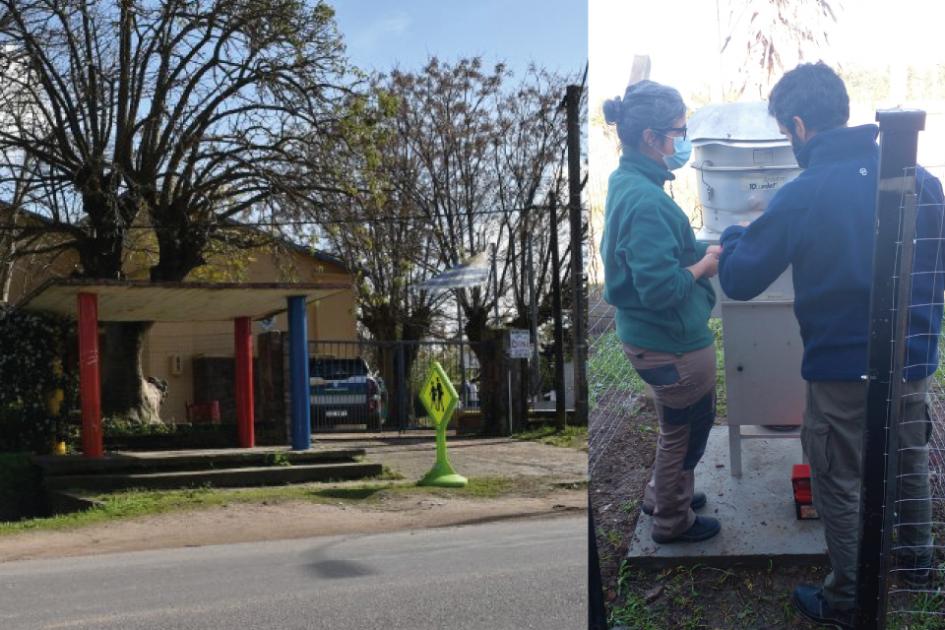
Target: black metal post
[
  {"x": 579, "y": 295},
  {"x": 402, "y": 386},
  {"x": 462, "y": 353},
  {"x": 561, "y": 417},
  {"x": 596, "y": 610},
  {"x": 899, "y": 132}
]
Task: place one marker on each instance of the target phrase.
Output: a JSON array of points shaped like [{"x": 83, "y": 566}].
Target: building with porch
[{"x": 187, "y": 354}]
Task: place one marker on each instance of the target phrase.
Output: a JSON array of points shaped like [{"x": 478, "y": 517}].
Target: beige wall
[{"x": 332, "y": 317}]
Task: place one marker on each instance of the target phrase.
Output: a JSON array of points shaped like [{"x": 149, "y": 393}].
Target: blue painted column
[{"x": 298, "y": 373}]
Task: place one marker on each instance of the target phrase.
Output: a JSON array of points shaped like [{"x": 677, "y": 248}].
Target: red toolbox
[{"x": 803, "y": 496}]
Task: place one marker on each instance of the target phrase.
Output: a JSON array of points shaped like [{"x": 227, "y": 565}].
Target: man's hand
[{"x": 714, "y": 249}]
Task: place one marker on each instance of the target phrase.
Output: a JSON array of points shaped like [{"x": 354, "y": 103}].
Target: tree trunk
[
  {"x": 484, "y": 342},
  {"x": 125, "y": 393},
  {"x": 382, "y": 322},
  {"x": 179, "y": 254}
]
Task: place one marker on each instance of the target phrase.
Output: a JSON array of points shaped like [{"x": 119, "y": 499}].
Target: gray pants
[
  {"x": 832, "y": 439},
  {"x": 684, "y": 386}
]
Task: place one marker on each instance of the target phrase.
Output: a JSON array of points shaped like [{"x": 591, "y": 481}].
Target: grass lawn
[
  {"x": 135, "y": 503},
  {"x": 571, "y": 437}
]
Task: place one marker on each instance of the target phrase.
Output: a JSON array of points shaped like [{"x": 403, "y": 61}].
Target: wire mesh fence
[
  {"x": 613, "y": 384},
  {"x": 916, "y": 569}
]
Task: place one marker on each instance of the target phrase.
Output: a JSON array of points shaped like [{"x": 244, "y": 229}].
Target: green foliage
[
  {"x": 866, "y": 85},
  {"x": 608, "y": 369},
  {"x": 939, "y": 376},
  {"x": 121, "y": 427},
  {"x": 278, "y": 459},
  {"x": 924, "y": 613},
  {"x": 633, "y": 614},
  {"x": 570, "y": 437},
  {"x": 19, "y": 486},
  {"x": 132, "y": 503},
  {"x": 721, "y": 406},
  {"x": 34, "y": 368}
]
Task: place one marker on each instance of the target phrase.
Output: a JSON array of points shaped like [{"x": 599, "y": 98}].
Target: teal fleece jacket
[{"x": 646, "y": 247}]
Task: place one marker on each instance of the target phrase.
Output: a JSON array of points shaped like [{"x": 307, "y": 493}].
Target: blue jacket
[{"x": 822, "y": 224}]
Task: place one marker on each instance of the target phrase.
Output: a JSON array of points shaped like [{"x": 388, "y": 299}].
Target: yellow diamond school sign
[{"x": 439, "y": 398}]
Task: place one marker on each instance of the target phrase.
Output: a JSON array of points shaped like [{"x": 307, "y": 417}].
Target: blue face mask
[{"x": 682, "y": 149}]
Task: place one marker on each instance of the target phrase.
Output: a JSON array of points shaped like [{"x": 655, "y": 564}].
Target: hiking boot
[
  {"x": 809, "y": 601},
  {"x": 698, "y": 502},
  {"x": 703, "y": 528}
]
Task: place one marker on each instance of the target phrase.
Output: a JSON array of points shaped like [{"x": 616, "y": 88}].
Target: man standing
[{"x": 821, "y": 224}]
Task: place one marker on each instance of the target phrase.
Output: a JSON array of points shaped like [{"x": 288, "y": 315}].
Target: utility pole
[
  {"x": 495, "y": 282},
  {"x": 561, "y": 413},
  {"x": 534, "y": 386},
  {"x": 579, "y": 297}
]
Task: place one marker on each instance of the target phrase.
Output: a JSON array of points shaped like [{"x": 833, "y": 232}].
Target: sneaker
[
  {"x": 704, "y": 528},
  {"x": 698, "y": 502},
  {"x": 809, "y": 601}
]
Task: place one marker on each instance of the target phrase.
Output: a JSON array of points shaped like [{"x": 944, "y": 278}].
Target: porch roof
[{"x": 139, "y": 300}]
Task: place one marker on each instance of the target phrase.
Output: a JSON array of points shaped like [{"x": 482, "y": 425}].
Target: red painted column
[
  {"x": 244, "y": 382},
  {"x": 89, "y": 384}
]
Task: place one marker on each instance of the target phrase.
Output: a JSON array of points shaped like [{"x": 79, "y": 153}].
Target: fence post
[
  {"x": 899, "y": 132},
  {"x": 402, "y": 385}
]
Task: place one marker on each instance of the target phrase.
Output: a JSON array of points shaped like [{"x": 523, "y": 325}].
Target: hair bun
[{"x": 612, "y": 110}]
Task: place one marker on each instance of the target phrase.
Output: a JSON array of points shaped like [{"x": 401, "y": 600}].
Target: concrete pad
[{"x": 756, "y": 511}]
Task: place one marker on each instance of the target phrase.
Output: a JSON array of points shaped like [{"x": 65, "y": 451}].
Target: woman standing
[{"x": 657, "y": 276}]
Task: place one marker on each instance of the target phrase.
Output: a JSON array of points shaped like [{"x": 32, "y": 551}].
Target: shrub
[
  {"x": 20, "y": 489},
  {"x": 39, "y": 396}
]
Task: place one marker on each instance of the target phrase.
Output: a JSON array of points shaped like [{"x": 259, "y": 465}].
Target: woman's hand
[{"x": 708, "y": 266}]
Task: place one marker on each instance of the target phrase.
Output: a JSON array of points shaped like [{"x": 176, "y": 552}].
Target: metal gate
[{"x": 374, "y": 385}]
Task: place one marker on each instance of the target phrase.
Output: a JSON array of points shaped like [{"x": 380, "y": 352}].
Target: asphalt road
[{"x": 514, "y": 574}]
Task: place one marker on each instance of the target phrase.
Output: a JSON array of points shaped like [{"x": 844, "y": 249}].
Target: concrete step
[
  {"x": 125, "y": 462},
  {"x": 232, "y": 477}
]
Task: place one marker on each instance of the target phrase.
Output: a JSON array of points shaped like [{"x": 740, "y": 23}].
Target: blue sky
[{"x": 383, "y": 33}]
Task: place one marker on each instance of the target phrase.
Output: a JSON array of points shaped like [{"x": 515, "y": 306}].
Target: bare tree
[
  {"x": 768, "y": 37},
  {"x": 487, "y": 165},
  {"x": 180, "y": 115}
]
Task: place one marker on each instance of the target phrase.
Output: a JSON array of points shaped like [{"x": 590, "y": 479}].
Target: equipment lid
[{"x": 734, "y": 122}]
